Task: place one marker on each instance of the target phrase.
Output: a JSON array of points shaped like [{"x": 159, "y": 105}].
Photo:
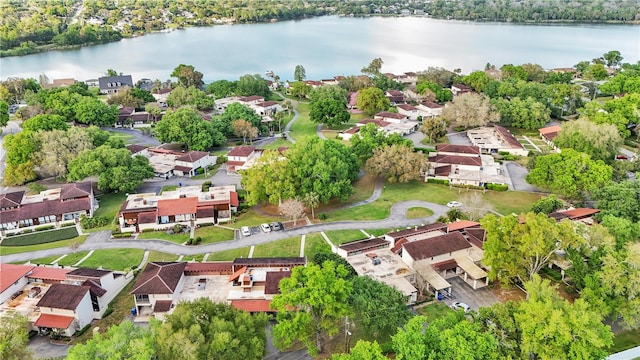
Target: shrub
[
  {"x": 177, "y": 228},
  {"x": 147, "y": 230},
  {"x": 199, "y": 171},
  {"x": 497, "y": 187},
  {"x": 93, "y": 222},
  {"x": 239, "y": 142},
  {"x": 198, "y": 240},
  {"x": 41, "y": 237},
  {"x": 206, "y": 185},
  {"x": 221, "y": 160},
  {"x": 468, "y": 186},
  {"x": 438, "y": 181},
  {"x": 67, "y": 225},
  {"x": 206, "y": 224},
  {"x": 322, "y": 216},
  {"x": 83, "y": 330},
  {"x": 45, "y": 227},
  {"x": 190, "y": 241}
]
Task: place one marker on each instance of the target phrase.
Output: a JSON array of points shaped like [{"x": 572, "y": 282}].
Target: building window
[{"x": 164, "y": 219}]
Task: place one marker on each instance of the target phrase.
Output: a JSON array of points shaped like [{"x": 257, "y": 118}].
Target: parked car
[
  {"x": 265, "y": 227},
  {"x": 276, "y": 226},
  {"x": 460, "y": 305},
  {"x": 454, "y": 204},
  {"x": 245, "y": 231}
]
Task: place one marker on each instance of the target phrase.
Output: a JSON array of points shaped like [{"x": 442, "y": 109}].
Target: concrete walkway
[
  {"x": 287, "y": 128},
  {"x": 377, "y": 191},
  {"x": 319, "y": 132},
  {"x": 630, "y": 354},
  {"x": 532, "y": 144},
  {"x": 84, "y": 258},
  {"x": 102, "y": 239},
  {"x": 302, "y": 241}
]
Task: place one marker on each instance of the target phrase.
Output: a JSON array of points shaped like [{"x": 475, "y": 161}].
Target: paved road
[
  {"x": 138, "y": 137},
  {"x": 220, "y": 178},
  {"x": 102, "y": 240},
  {"x": 319, "y": 132},
  {"x": 294, "y": 105},
  {"x": 518, "y": 174}
]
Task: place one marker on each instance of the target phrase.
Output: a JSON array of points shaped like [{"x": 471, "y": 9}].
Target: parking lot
[
  {"x": 257, "y": 230},
  {"x": 464, "y": 293}
]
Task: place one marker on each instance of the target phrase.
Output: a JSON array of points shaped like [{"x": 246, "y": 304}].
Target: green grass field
[
  {"x": 625, "y": 340},
  {"x": 174, "y": 238},
  {"x": 229, "y": 255},
  {"x": 72, "y": 258},
  {"x": 110, "y": 204},
  {"x": 251, "y": 218},
  {"x": 313, "y": 244},
  {"x": 276, "y": 144},
  {"x": 114, "y": 259},
  {"x": 45, "y": 260},
  {"x": 339, "y": 237},
  {"x": 434, "y": 311},
  {"x": 282, "y": 248},
  {"x": 378, "y": 232},
  {"x": 303, "y": 127},
  {"x": 7, "y": 250},
  {"x": 418, "y": 212},
  {"x": 197, "y": 257},
  {"x": 160, "y": 256}
]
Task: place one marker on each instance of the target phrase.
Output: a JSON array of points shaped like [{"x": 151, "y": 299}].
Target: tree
[
  {"x": 613, "y": 57},
  {"x": 45, "y": 122},
  {"x": 499, "y": 321},
  {"x": 111, "y": 72},
  {"x": 409, "y": 343},
  {"x": 470, "y": 110},
  {"x": 595, "y": 72},
  {"x": 527, "y": 114},
  {"x": 300, "y": 89},
  {"x": 397, "y": 163},
  {"x": 154, "y": 111},
  {"x": 310, "y": 305},
  {"x": 92, "y": 111},
  {"x": 299, "y": 73},
  {"x": 374, "y": 67},
  {"x": 601, "y": 142},
  {"x": 619, "y": 199},
  {"x": 475, "y": 206},
  {"x": 20, "y": 149},
  {"x": 202, "y": 329},
  {"x": 188, "y": 76},
  {"x": 370, "y": 138},
  {"x": 244, "y": 129},
  {"x": 329, "y": 105},
  {"x": 569, "y": 173},
  {"x": 191, "y": 96},
  {"x": 237, "y": 111},
  {"x": 378, "y": 307},
  {"x": 14, "y": 337},
  {"x": 4, "y": 113},
  {"x": 292, "y": 209},
  {"x": 517, "y": 247},
  {"x": 311, "y": 200},
  {"x": 434, "y": 128},
  {"x": 221, "y": 88},
  {"x": 187, "y": 127},
  {"x": 547, "y": 205},
  {"x": 477, "y": 80},
  {"x": 534, "y": 72},
  {"x": 58, "y": 148},
  {"x": 125, "y": 97},
  {"x": 364, "y": 350},
  {"x": 120, "y": 342},
  {"x": 571, "y": 331},
  {"x": 516, "y": 72},
  {"x": 437, "y": 75},
  {"x": 249, "y": 85},
  {"x": 372, "y": 100}
]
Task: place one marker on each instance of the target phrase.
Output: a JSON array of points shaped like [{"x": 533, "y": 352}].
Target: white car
[
  {"x": 461, "y": 305},
  {"x": 265, "y": 227},
  {"x": 245, "y": 231},
  {"x": 454, "y": 204}
]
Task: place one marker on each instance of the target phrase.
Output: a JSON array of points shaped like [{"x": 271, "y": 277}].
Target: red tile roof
[
  {"x": 579, "y": 213},
  {"x": 234, "y": 201},
  {"x": 192, "y": 156},
  {"x": 407, "y": 107},
  {"x": 456, "y": 160},
  {"x": 75, "y": 190},
  {"x": 439, "y": 245},
  {"x": 48, "y": 273},
  {"x": 396, "y": 249},
  {"x": 167, "y": 207},
  {"x": 258, "y": 305},
  {"x": 54, "y": 321},
  {"x": 12, "y": 199},
  {"x": 267, "y": 103},
  {"x": 390, "y": 115},
  {"x": 461, "y": 149},
  {"x": 431, "y": 105},
  {"x": 238, "y": 272},
  {"x": 462, "y": 224},
  {"x": 508, "y": 137},
  {"x": 242, "y": 151},
  {"x": 353, "y": 130},
  {"x": 196, "y": 267},
  {"x": 395, "y": 93},
  {"x": 159, "y": 278},
  {"x": 378, "y": 122},
  {"x": 549, "y": 129},
  {"x": 10, "y": 273},
  {"x": 64, "y": 296}
]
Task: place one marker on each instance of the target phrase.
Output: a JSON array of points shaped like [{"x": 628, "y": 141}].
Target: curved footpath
[{"x": 102, "y": 239}]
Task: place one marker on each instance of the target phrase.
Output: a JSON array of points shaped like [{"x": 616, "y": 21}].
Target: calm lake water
[{"x": 329, "y": 46}]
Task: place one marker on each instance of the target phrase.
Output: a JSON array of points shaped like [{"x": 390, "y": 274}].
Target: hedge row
[
  {"x": 438, "y": 181},
  {"x": 497, "y": 187},
  {"x": 41, "y": 237}
]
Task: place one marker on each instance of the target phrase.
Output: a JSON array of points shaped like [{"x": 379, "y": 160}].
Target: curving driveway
[{"x": 102, "y": 239}]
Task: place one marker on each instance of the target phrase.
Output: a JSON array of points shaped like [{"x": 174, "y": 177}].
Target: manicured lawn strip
[
  {"x": 204, "y": 176},
  {"x": 251, "y": 218},
  {"x": 45, "y": 260},
  {"x": 378, "y": 232},
  {"x": 7, "y": 250},
  {"x": 197, "y": 257},
  {"x": 121, "y": 305},
  {"x": 276, "y": 144},
  {"x": 168, "y": 188},
  {"x": 418, "y": 212},
  {"x": 434, "y": 311},
  {"x": 110, "y": 204},
  {"x": 214, "y": 234},
  {"x": 507, "y": 202},
  {"x": 339, "y": 237},
  {"x": 282, "y": 248},
  {"x": 114, "y": 259},
  {"x": 303, "y": 127},
  {"x": 41, "y": 237},
  {"x": 72, "y": 258},
  {"x": 313, "y": 244},
  {"x": 161, "y": 256},
  {"x": 229, "y": 255},
  {"x": 625, "y": 340},
  {"x": 174, "y": 238}
]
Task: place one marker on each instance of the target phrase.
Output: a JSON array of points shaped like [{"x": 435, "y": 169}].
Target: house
[
  {"x": 12, "y": 279},
  {"x": 242, "y": 157},
  {"x": 156, "y": 291},
  {"x": 429, "y": 109},
  {"x": 492, "y": 140},
  {"x": 463, "y": 165},
  {"x": 583, "y": 215},
  {"x": 112, "y": 84},
  {"x": 189, "y": 163},
  {"x": 60, "y": 83},
  {"x": 167, "y": 163},
  {"x": 391, "y": 117},
  {"x": 187, "y": 206},
  {"x": 349, "y": 133},
  {"x": 266, "y": 108},
  {"x": 19, "y": 211},
  {"x": 548, "y": 134},
  {"x": 417, "y": 231},
  {"x": 409, "y": 111},
  {"x": 398, "y": 123},
  {"x": 162, "y": 94},
  {"x": 395, "y": 97},
  {"x": 65, "y": 309},
  {"x": 138, "y": 150},
  {"x": 104, "y": 286},
  {"x": 458, "y": 89},
  {"x": 251, "y": 100}
]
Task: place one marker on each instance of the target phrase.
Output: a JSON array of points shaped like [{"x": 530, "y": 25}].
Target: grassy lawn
[
  {"x": 197, "y": 257},
  {"x": 434, "y": 311},
  {"x": 378, "y": 232},
  {"x": 229, "y": 255},
  {"x": 251, "y": 218},
  {"x": 114, "y": 259},
  {"x": 174, "y": 238},
  {"x": 282, "y": 248},
  {"x": 72, "y": 258},
  {"x": 168, "y": 188},
  {"x": 303, "y": 127},
  {"x": 214, "y": 234},
  {"x": 7, "y": 250},
  {"x": 110, "y": 204},
  {"x": 160, "y": 256},
  {"x": 625, "y": 340},
  {"x": 363, "y": 189},
  {"x": 313, "y": 244},
  {"x": 418, "y": 212},
  {"x": 338, "y": 237},
  {"x": 45, "y": 260},
  {"x": 204, "y": 176},
  {"x": 276, "y": 144},
  {"x": 121, "y": 304}
]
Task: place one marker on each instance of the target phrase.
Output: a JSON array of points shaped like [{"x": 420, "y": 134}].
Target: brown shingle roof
[
  {"x": 91, "y": 273},
  {"x": 460, "y": 149},
  {"x": 134, "y": 149},
  {"x": 162, "y": 306},
  {"x": 378, "y": 122},
  {"x": 147, "y": 217},
  {"x": 45, "y": 208},
  {"x": 195, "y": 267},
  {"x": 242, "y": 151},
  {"x": 192, "y": 156},
  {"x": 579, "y": 213},
  {"x": 12, "y": 199},
  {"x": 431, "y": 105},
  {"x": 75, "y": 190},
  {"x": 444, "y": 170},
  {"x": 508, "y": 137},
  {"x": 251, "y": 98},
  {"x": 167, "y": 207},
  {"x": 63, "y": 296},
  {"x": 159, "y": 278},
  {"x": 398, "y": 246},
  {"x": 420, "y": 230},
  {"x": 407, "y": 107},
  {"x": 272, "y": 281},
  {"x": 95, "y": 288},
  {"x": 456, "y": 160},
  {"x": 439, "y": 245},
  {"x": 390, "y": 115},
  {"x": 363, "y": 245},
  {"x": 288, "y": 261}
]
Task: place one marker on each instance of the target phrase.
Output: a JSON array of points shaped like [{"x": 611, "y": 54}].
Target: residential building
[
  {"x": 168, "y": 163},
  {"x": 398, "y": 123},
  {"x": 548, "y": 134},
  {"x": 429, "y": 109},
  {"x": 19, "y": 211},
  {"x": 138, "y": 150},
  {"x": 112, "y": 84},
  {"x": 187, "y": 206},
  {"x": 409, "y": 111},
  {"x": 395, "y": 97},
  {"x": 242, "y": 157},
  {"x": 492, "y": 140},
  {"x": 60, "y": 83},
  {"x": 157, "y": 288},
  {"x": 583, "y": 215},
  {"x": 104, "y": 286},
  {"x": 65, "y": 309},
  {"x": 458, "y": 89},
  {"x": 463, "y": 165},
  {"x": 12, "y": 279}
]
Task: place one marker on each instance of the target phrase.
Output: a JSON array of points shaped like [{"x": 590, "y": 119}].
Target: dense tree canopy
[
  {"x": 233, "y": 112},
  {"x": 299, "y": 73},
  {"x": 329, "y": 105},
  {"x": 527, "y": 114},
  {"x": 442, "y": 95},
  {"x": 45, "y": 122},
  {"x": 92, "y": 111},
  {"x": 249, "y": 85},
  {"x": 397, "y": 163},
  {"x": 619, "y": 199},
  {"x": 57, "y": 148},
  {"x": 370, "y": 138},
  {"x": 372, "y": 100},
  {"x": 190, "y": 96},
  {"x": 601, "y": 142},
  {"x": 4, "y": 113},
  {"x": 221, "y": 88},
  {"x": 14, "y": 336},
  {"x": 188, "y": 76},
  {"x": 470, "y": 110},
  {"x": 187, "y": 127},
  {"x": 121, "y": 342}
]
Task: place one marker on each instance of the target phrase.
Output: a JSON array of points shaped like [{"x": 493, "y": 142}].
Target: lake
[{"x": 329, "y": 46}]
